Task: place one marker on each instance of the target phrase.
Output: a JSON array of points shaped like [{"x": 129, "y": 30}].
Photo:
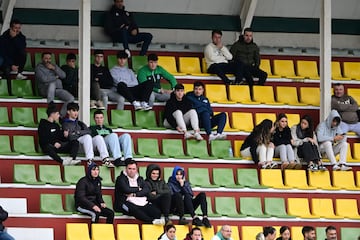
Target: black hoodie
[
  {"x": 159, "y": 186},
  {"x": 50, "y": 133},
  {"x": 172, "y": 105},
  {"x": 117, "y": 17}
]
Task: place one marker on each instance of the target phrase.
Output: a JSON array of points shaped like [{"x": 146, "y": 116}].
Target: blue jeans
[
  {"x": 208, "y": 122},
  {"x": 117, "y": 144},
  {"x": 5, "y": 236},
  {"x": 125, "y": 37}
]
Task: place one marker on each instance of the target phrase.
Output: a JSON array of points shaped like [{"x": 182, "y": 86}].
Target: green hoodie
[{"x": 146, "y": 74}]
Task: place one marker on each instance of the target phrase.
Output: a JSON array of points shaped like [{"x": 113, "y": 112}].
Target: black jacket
[
  {"x": 50, "y": 133},
  {"x": 172, "y": 105},
  {"x": 11, "y": 46},
  {"x": 88, "y": 192},
  {"x": 282, "y": 137},
  {"x": 3, "y": 217},
  {"x": 102, "y": 75},
  {"x": 250, "y": 141},
  {"x": 117, "y": 17},
  {"x": 159, "y": 186}
]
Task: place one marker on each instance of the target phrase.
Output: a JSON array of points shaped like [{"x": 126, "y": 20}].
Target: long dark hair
[
  {"x": 262, "y": 132},
  {"x": 308, "y": 132}
]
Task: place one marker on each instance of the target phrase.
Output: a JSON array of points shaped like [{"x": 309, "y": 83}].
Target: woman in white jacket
[{"x": 169, "y": 233}]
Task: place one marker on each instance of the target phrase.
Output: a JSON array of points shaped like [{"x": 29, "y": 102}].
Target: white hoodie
[{"x": 215, "y": 55}]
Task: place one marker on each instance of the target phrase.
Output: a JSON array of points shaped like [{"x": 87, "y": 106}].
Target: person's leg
[
  {"x": 86, "y": 142},
  {"x": 51, "y": 92},
  {"x": 125, "y": 145},
  {"x": 280, "y": 151},
  {"x": 137, "y": 212},
  {"x": 152, "y": 98},
  {"x": 52, "y": 152},
  {"x": 179, "y": 118},
  {"x": 269, "y": 152},
  {"x": 344, "y": 127},
  {"x": 290, "y": 153},
  {"x": 240, "y": 71},
  {"x": 125, "y": 91},
  {"x": 260, "y": 74},
  {"x": 355, "y": 128},
  {"x": 219, "y": 120},
  {"x": 113, "y": 145},
  {"x": 99, "y": 144},
  {"x": 64, "y": 95},
  {"x": 141, "y": 37},
  {"x": 95, "y": 92},
  {"x": 219, "y": 69},
  {"x": 145, "y": 89},
  {"x": 246, "y": 152},
  {"x": 200, "y": 200},
  {"x": 94, "y": 215},
  {"x": 188, "y": 205},
  {"x": 152, "y": 211},
  {"x": 341, "y": 148},
  {"x": 108, "y": 213},
  {"x": 177, "y": 204},
  {"x": 5, "y": 236},
  {"x": 20, "y": 60},
  {"x": 162, "y": 97},
  {"x": 121, "y": 36},
  {"x": 192, "y": 118},
  {"x": 326, "y": 147},
  {"x": 261, "y": 151},
  {"x": 71, "y": 147},
  {"x": 205, "y": 121}
]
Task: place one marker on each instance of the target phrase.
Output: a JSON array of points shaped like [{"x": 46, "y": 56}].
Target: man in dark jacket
[
  {"x": 71, "y": 81},
  {"x": 159, "y": 194},
  {"x": 121, "y": 27},
  {"x": 88, "y": 196},
  {"x": 206, "y": 115},
  {"x": 52, "y": 139},
  {"x": 3, "y": 234},
  {"x": 247, "y": 52},
  {"x": 131, "y": 193}
]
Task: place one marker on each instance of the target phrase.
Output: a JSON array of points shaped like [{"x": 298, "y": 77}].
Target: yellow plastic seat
[
  {"x": 207, "y": 233},
  {"x": 216, "y": 93},
  {"x": 181, "y": 231},
  {"x": 285, "y": 69},
  {"x": 296, "y": 179},
  {"x": 293, "y": 119},
  {"x": 336, "y": 71},
  {"x": 128, "y": 231},
  {"x": 102, "y": 231},
  {"x": 250, "y": 232},
  {"x": 266, "y": 67},
  {"x": 242, "y": 121},
  {"x": 204, "y": 67},
  {"x": 321, "y": 180},
  {"x": 265, "y": 95},
  {"x": 272, "y": 178},
  {"x": 310, "y": 96},
  {"x": 77, "y": 231},
  {"x": 259, "y": 117},
  {"x": 150, "y": 231},
  {"x": 347, "y": 208},
  {"x": 188, "y": 87},
  {"x": 288, "y": 95},
  {"x": 344, "y": 180},
  {"x": 307, "y": 69},
  {"x": 356, "y": 151},
  {"x": 352, "y": 70},
  {"x": 228, "y": 127},
  {"x": 296, "y": 233},
  {"x": 240, "y": 94},
  {"x": 237, "y": 146},
  {"x": 354, "y": 93},
  {"x": 190, "y": 66},
  {"x": 299, "y": 207},
  {"x": 169, "y": 64},
  {"x": 234, "y": 232},
  {"x": 323, "y": 207},
  {"x": 357, "y": 177},
  {"x": 349, "y": 157}
]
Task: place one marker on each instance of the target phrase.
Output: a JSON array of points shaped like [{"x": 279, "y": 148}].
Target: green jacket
[
  {"x": 100, "y": 130},
  {"x": 146, "y": 74},
  {"x": 248, "y": 53}
]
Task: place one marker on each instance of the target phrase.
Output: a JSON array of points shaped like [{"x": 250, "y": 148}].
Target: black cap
[
  {"x": 121, "y": 54},
  {"x": 179, "y": 86},
  {"x": 98, "y": 51}
]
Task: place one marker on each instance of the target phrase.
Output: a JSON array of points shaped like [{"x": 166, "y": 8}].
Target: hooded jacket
[
  {"x": 49, "y": 133},
  {"x": 3, "y": 217},
  {"x": 346, "y": 107},
  {"x": 174, "y": 185},
  {"x": 324, "y": 130},
  {"x": 117, "y": 17},
  {"x": 11, "y": 46},
  {"x": 248, "y": 53},
  {"x": 200, "y": 103},
  {"x": 124, "y": 75},
  {"x": 146, "y": 74},
  {"x": 159, "y": 186},
  {"x": 172, "y": 105},
  {"x": 298, "y": 141},
  {"x": 88, "y": 190},
  {"x": 76, "y": 128}
]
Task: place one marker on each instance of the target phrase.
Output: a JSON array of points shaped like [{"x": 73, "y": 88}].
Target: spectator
[
  {"x": 88, "y": 196},
  {"x": 48, "y": 77},
  {"x": 183, "y": 198},
  {"x": 3, "y": 233},
  {"x": 284, "y": 233},
  {"x": 284, "y": 143},
  {"x": 269, "y": 233},
  {"x": 205, "y": 113},
  {"x": 169, "y": 233},
  {"x": 130, "y": 196},
  {"x": 71, "y": 81},
  {"x": 331, "y": 233},
  {"x": 116, "y": 144},
  {"x": 223, "y": 234},
  {"x": 154, "y": 72},
  {"x": 247, "y": 52},
  {"x": 52, "y": 140},
  {"x": 332, "y": 140},
  {"x": 159, "y": 194},
  {"x": 178, "y": 114},
  {"x": 258, "y": 145},
  {"x": 347, "y": 107},
  {"x": 121, "y": 27},
  {"x": 219, "y": 59},
  {"x": 260, "y": 236},
  {"x": 128, "y": 86},
  {"x": 309, "y": 233},
  {"x": 77, "y": 130},
  {"x": 102, "y": 81},
  {"x": 13, "y": 52},
  {"x": 306, "y": 146},
  {"x": 194, "y": 234}
]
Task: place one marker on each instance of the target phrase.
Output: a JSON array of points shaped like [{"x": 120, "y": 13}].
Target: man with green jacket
[{"x": 152, "y": 71}]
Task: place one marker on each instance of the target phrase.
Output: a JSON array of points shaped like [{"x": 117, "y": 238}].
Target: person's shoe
[
  {"x": 197, "y": 222},
  {"x": 322, "y": 168},
  {"x": 106, "y": 162},
  {"x": 183, "y": 221},
  {"x": 336, "y": 167},
  {"x": 92, "y": 104},
  {"x": 20, "y": 76},
  {"x": 67, "y": 161},
  {"x": 145, "y": 106},
  {"x": 90, "y": 161},
  {"x": 292, "y": 165},
  {"x": 136, "y": 105},
  {"x": 188, "y": 135},
  {"x": 345, "y": 168},
  {"x": 118, "y": 162},
  {"x": 266, "y": 165},
  {"x": 221, "y": 136},
  {"x": 159, "y": 221},
  {"x": 213, "y": 136},
  {"x": 100, "y": 105},
  {"x": 285, "y": 165},
  {"x": 198, "y": 137},
  {"x": 273, "y": 165},
  {"x": 127, "y": 51},
  {"x": 297, "y": 166},
  {"x": 313, "y": 168},
  {"x": 206, "y": 222}
]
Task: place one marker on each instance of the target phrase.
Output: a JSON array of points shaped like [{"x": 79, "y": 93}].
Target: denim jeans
[{"x": 116, "y": 145}]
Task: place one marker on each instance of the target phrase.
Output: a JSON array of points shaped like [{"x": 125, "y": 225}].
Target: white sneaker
[
  {"x": 273, "y": 165},
  {"x": 137, "y": 105},
  {"x": 69, "y": 161},
  {"x": 159, "y": 221},
  {"x": 336, "y": 167},
  {"x": 188, "y": 135},
  {"x": 20, "y": 76},
  {"x": 100, "y": 105},
  {"x": 213, "y": 136},
  {"x": 266, "y": 165},
  {"x": 345, "y": 168},
  {"x": 106, "y": 162},
  {"x": 198, "y": 137},
  {"x": 145, "y": 106},
  {"x": 127, "y": 51},
  {"x": 221, "y": 136},
  {"x": 92, "y": 104}
]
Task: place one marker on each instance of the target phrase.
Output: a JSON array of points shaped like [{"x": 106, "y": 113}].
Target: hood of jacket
[
  {"x": 151, "y": 168},
  {"x": 173, "y": 175},
  {"x": 333, "y": 114}
]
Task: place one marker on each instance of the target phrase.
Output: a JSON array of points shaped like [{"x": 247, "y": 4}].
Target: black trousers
[
  {"x": 19, "y": 60},
  {"x": 146, "y": 213},
  {"x": 252, "y": 71},
  {"x": 309, "y": 152},
  {"x": 139, "y": 92},
  {"x": 221, "y": 69},
  {"x": 187, "y": 204},
  {"x": 71, "y": 147},
  {"x": 163, "y": 202}
]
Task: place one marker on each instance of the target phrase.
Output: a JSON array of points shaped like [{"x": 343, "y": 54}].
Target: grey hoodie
[{"x": 325, "y": 132}]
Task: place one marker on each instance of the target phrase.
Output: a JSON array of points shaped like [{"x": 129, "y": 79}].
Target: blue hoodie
[
  {"x": 325, "y": 132},
  {"x": 174, "y": 185},
  {"x": 200, "y": 103}
]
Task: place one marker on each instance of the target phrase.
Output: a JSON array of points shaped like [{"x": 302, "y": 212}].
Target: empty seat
[
  {"x": 5, "y": 148},
  {"x": 336, "y": 71},
  {"x": 237, "y": 146},
  {"x": 122, "y": 119},
  {"x": 354, "y": 93},
  {"x": 356, "y": 151},
  {"x": 216, "y": 93},
  {"x": 4, "y": 91},
  {"x": 149, "y": 147},
  {"x": 296, "y": 233},
  {"x": 259, "y": 117},
  {"x": 307, "y": 69},
  {"x": 25, "y": 173},
  {"x": 70, "y": 203},
  {"x": 72, "y": 174},
  {"x": 150, "y": 231},
  {"x": 349, "y": 233},
  {"x": 22, "y": 88},
  {"x": 240, "y": 94},
  {"x": 128, "y": 231},
  {"x": 188, "y": 87},
  {"x": 200, "y": 177},
  {"x": 198, "y": 149},
  {"x": 52, "y": 203},
  {"x": 272, "y": 178},
  {"x": 248, "y": 177},
  {"x": 147, "y": 120},
  {"x": 105, "y": 174},
  {"x": 310, "y": 96},
  {"x": 169, "y": 64},
  {"x": 23, "y": 116},
  {"x": 210, "y": 210},
  {"x": 191, "y": 66},
  {"x": 299, "y": 207},
  {"x": 181, "y": 231},
  {"x": 243, "y": 121},
  {"x": 138, "y": 62},
  {"x": 4, "y": 118},
  {"x": 173, "y": 148},
  {"x": 265, "y": 95},
  {"x": 224, "y": 177},
  {"x": 77, "y": 231},
  {"x": 250, "y": 232},
  {"x": 28, "y": 64},
  {"x": 51, "y": 174},
  {"x": 344, "y": 180},
  {"x": 347, "y": 208},
  {"x": 25, "y": 145},
  {"x": 293, "y": 119},
  {"x": 275, "y": 207},
  {"x": 352, "y": 70},
  {"x": 111, "y": 61},
  {"x": 320, "y": 233},
  {"x": 321, "y": 180},
  {"x": 102, "y": 231},
  {"x": 221, "y": 148},
  {"x": 226, "y": 206},
  {"x": 285, "y": 69},
  {"x": 251, "y": 206},
  {"x": 288, "y": 95},
  {"x": 227, "y": 127},
  {"x": 265, "y": 66},
  {"x": 207, "y": 233},
  {"x": 296, "y": 179},
  {"x": 323, "y": 207},
  {"x": 40, "y": 114}
]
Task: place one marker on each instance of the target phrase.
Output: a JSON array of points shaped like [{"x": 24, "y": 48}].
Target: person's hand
[
  {"x": 271, "y": 145},
  {"x": 14, "y": 68},
  {"x": 166, "y": 91},
  {"x": 103, "y": 205},
  {"x": 219, "y": 45},
  {"x": 50, "y": 66},
  {"x": 338, "y": 138},
  {"x": 311, "y": 140},
  {"x": 57, "y": 145},
  {"x": 66, "y": 133},
  {"x": 96, "y": 79},
  {"x": 134, "y": 32},
  {"x": 12, "y": 33},
  {"x": 181, "y": 181},
  {"x": 179, "y": 129},
  {"x": 292, "y": 141},
  {"x": 96, "y": 209},
  {"x": 153, "y": 192}
]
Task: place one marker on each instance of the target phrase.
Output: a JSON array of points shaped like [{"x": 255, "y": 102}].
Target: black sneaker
[
  {"x": 197, "y": 222},
  {"x": 118, "y": 162},
  {"x": 183, "y": 221},
  {"x": 206, "y": 222},
  {"x": 90, "y": 161}
]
